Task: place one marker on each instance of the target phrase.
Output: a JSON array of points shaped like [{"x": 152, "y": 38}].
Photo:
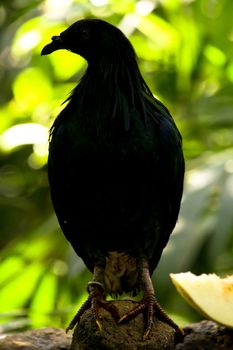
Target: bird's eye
[{"x": 84, "y": 33}]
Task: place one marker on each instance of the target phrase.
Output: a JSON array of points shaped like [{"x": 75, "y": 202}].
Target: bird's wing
[{"x": 171, "y": 164}]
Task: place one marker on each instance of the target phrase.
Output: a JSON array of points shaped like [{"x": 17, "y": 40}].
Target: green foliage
[{"x": 185, "y": 53}]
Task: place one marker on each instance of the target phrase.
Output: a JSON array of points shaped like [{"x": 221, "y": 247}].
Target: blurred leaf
[
  {"x": 10, "y": 268},
  {"x": 30, "y": 88},
  {"x": 19, "y": 290},
  {"x": 224, "y": 220},
  {"x": 43, "y": 301},
  {"x": 66, "y": 64}
]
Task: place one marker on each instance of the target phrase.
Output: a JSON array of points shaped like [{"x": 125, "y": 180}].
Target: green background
[{"x": 185, "y": 52}]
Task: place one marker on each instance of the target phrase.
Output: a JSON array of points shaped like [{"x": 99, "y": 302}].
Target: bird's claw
[
  {"x": 86, "y": 305},
  {"x": 95, "y": 301},
  {"x": 151, "y": 306},
  {"x": 146, "y": 334},
  {"x": 99, "y": 325}
]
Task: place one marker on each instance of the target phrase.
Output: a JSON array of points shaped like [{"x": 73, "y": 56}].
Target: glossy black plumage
[{"x": 115, "y": 158}]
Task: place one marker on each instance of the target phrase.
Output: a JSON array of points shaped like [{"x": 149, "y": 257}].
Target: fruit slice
[{"x": 209, "y": 294}]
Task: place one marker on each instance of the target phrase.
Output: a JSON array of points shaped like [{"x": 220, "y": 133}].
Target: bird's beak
[{"x": 56, "y": 44}]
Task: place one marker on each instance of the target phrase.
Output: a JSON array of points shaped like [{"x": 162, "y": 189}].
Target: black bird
[{"x": 115, "y": 170}]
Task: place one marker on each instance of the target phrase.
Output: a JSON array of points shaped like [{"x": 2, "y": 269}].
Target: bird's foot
[
  {"x": 95, "y": 301},
  {"x": 150, "y": 306}
]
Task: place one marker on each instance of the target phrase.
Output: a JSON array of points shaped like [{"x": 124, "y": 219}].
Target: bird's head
[{"x": 92, "y": 39}]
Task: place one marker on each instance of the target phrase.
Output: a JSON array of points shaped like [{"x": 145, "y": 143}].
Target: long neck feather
[{"x": 115, "y": 84}]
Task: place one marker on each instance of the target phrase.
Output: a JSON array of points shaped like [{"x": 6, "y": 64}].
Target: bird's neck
[
  {"x": 111, "y": 91},
  {"x": 115, "y": 73}
]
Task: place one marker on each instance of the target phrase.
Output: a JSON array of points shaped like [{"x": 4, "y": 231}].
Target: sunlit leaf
[
  {"x": 23, "y": 134},
  {"x": 215, "y": 55},
  {"x": 66, "y": 64},
  {"x": 160, "y": 32},
  {"x": 10, "y": 268},
  {"x": 30, "y": 88},
  {"x": 18, "y": 292},
  {"x": 43, "y": 301}
]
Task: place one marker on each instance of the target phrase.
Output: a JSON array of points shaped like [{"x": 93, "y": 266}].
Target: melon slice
[{"x": 209, "y": 294}]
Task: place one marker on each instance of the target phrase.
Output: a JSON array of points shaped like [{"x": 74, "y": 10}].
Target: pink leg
[
  {"x": 150, "y": 305},
  {"x": 95, "y": 300}
]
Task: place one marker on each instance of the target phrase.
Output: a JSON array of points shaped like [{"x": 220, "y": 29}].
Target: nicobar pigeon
[{"x": 115, "y": 171}]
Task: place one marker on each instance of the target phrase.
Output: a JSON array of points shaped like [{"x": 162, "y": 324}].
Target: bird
[{"x": 115, "y": 170}]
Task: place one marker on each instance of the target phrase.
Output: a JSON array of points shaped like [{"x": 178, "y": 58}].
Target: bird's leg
[
  {"x": 149, "y": 305},
  {"x": 95, "y": 300}
]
